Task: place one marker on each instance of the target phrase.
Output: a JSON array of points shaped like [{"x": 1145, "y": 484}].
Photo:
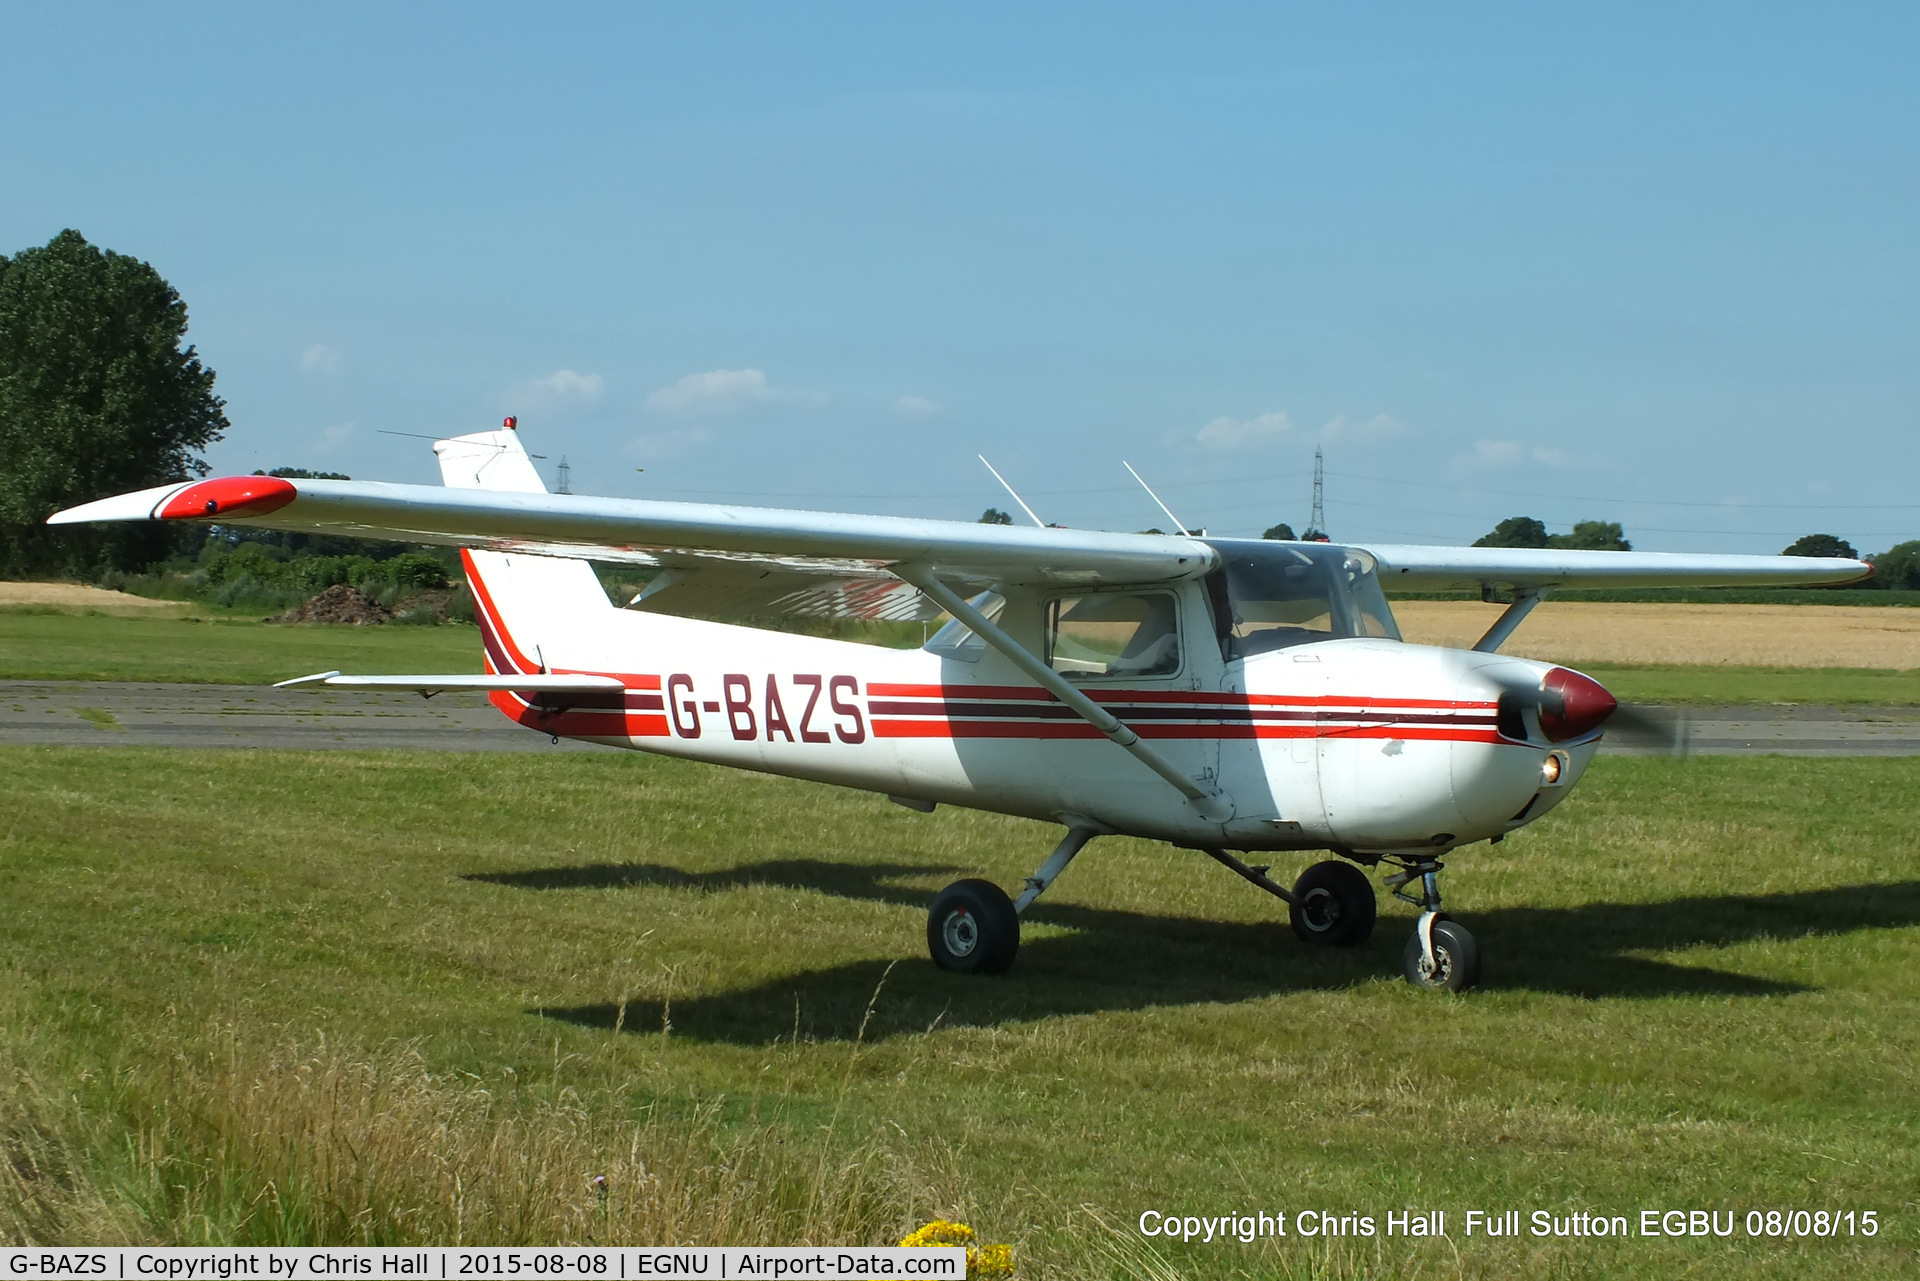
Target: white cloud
[
  {"x": 1378, "y": 427},
  {"x": 668, "y": 444},
  {"x": 320, "y": 358},
  {"x": 916, "y": 406},
  {"x": 1500, "y": 453},
  {"x": 722, "y": 391},
  {"x": 1241, "y": 433},
  {"x": 565, "y": 384},
  {"x": 336, "y": 435}
]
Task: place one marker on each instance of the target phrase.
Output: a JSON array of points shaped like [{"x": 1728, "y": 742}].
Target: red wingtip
[{"x": 230, "y": 496}]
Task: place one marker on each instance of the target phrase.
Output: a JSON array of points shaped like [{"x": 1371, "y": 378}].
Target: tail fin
[
  {"x": 488, "y": 460},
  {"x": 537, "y": 613}
]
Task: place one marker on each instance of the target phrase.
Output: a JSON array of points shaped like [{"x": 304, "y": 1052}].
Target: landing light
[{"x": 1550, "y": 769}]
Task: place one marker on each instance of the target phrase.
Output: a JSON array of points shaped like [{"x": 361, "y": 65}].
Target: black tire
[
  {"x": 1456, "y": 959},
  {"x": 973, "y": 929},
  {"x": 1334, "y": 905}
]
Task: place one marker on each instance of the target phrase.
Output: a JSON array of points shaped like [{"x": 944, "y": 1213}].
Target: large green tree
[
  {"x": 1586, "y": 535},
  {"x": 1515, "y": 531},
  {"x": 1822, "y": 545},
  {"x": 97, "y": 396},
  {"x": 1593, "y": 536},
  {"x": 1897, "y": 568}
]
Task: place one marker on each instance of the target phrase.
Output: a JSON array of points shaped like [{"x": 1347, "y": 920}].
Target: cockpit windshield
[{"x": 1268, "y": 596}]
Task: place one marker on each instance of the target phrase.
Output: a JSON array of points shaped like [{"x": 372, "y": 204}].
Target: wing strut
[
  {"x": 1212, "y": 804},
  {"x": 1524, "y": 599}
]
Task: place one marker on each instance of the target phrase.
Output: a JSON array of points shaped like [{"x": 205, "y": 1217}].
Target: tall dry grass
[{"x": 223, "y": 1140}]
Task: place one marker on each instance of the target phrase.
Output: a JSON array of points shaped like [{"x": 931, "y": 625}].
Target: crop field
[
  {"x": 270, "y": 997},
  {"x": 1580, "y": 632}
]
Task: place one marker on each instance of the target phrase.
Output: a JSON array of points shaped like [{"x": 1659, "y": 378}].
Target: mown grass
[
  {"x": 1676, "y": 683},
  {"x": 222, "y": 651},
  {"x": 1702, "y": 982},
  {"x": 46, "y": 646}
]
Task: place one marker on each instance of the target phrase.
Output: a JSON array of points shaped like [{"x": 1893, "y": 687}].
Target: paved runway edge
[{"x": 108, "y": 713}]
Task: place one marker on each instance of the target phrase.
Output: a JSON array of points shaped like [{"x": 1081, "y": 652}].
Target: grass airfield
[
  {"x": 384, "y": 996},
  {"x": 228, "y": 650}
]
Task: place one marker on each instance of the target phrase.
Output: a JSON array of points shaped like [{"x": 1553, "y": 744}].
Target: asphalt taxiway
[{"x": 99, "y": 713}]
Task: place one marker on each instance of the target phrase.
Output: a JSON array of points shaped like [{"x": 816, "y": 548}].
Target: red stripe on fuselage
[
  {"x": 1033, "y": 693},
  {"x": 1082, "y": 730}
]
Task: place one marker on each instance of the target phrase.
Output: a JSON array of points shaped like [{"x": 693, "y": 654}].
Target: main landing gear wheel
[
  {"x": 1456, "y": 959},
  {"x": 973, "y": 929},
  {"x": 1333, "y": 905}
]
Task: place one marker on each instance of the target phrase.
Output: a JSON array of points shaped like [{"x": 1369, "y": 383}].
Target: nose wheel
[
  {"x": 1447, "y": 960},
  {"x": 1441, "y": 956}
]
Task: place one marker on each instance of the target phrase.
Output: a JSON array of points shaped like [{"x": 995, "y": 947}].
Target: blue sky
[{"x": 1653, "y": 265}]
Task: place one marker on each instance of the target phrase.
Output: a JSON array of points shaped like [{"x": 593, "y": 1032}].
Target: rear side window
[{"x": 1113, "y": 634}]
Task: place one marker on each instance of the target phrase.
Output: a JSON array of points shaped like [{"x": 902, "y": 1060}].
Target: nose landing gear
[{"x": 1441, "y": 956}]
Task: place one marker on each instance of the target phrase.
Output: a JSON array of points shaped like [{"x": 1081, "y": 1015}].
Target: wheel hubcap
[
  {"x": 1442, "y": 968},
  {"x": 960, "y": 933},
  {"x": 1321, "y": 910}
]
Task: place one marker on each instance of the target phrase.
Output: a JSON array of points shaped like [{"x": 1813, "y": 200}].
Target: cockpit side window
[
  {"x": 1272, "y": 597},
  {"x": 1117, "y": 634}
]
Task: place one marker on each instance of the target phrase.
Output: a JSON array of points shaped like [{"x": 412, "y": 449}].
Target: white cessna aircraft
[{"x": 1225, "y": 695}]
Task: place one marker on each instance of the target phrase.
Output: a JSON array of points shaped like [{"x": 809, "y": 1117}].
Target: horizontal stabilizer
[{"x": 572, "y": 684}]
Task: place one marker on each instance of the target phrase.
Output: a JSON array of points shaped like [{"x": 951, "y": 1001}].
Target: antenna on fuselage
[
  {"x": 1179, "y": 525},
  {"x": 1009, "y": 488}
]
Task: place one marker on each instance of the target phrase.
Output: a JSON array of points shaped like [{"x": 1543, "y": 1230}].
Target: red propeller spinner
[{"x": 1572, "y": 705}]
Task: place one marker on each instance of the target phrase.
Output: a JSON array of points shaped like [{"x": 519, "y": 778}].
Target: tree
[
  {"x": 1897, "y": 569},
  {"x": 301, "y": 473},
  {"x": 1515, "y": 531},
  {"x": 1282, "y": 531},
  {"x": 1822, "y": 545},
  {"x": 1593, "y": 536},
  {"x": 994, "y": 516},
  {"x": 97, "y": 396}
]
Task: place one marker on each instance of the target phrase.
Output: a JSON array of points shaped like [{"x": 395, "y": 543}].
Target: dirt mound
[{"x": 340, "y": 604}]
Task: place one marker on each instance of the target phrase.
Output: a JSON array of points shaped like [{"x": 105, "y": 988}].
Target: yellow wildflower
[
  {"x": 939, "y": 1232},
  {"x": 985, "y": 1261}
]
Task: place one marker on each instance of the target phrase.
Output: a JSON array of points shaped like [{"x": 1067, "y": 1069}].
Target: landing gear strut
[{"x": 1441, "y": 956}]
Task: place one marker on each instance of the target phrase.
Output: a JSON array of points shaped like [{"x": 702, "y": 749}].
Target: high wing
[
  {"x": 750, "y": 541},
  {"x": 1409, "y": 568},
  {"x": 752, "y": 560}
]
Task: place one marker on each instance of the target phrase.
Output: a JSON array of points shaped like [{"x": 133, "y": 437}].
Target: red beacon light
[{"x": 512, "y": 423}]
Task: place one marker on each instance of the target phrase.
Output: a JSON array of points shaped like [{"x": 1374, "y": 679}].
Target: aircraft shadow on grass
[{"x": 1119, "y": 960}]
